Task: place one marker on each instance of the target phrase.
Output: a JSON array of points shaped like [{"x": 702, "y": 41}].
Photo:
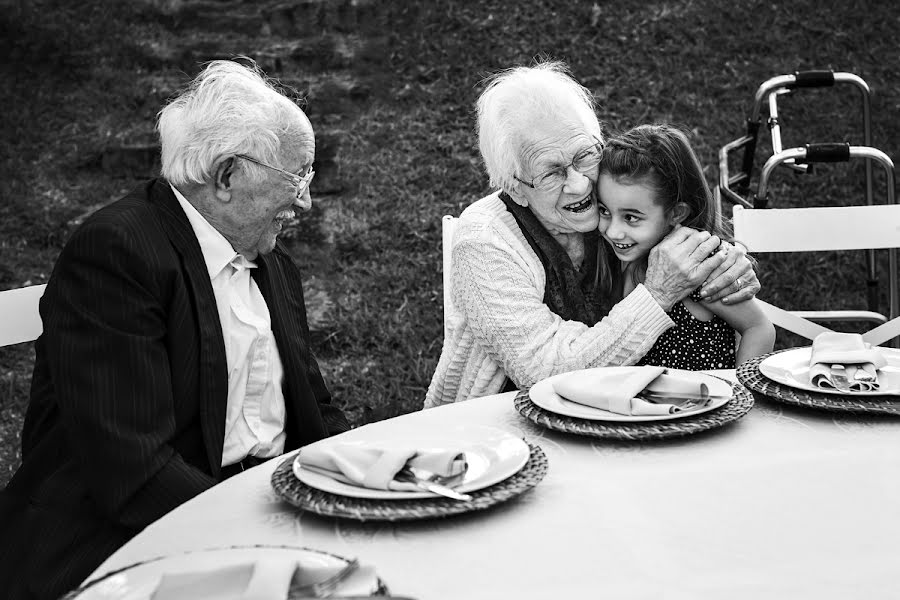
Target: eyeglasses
[
  {"x": 301, "y": 182},
  {"x": 585, "y": 159}
]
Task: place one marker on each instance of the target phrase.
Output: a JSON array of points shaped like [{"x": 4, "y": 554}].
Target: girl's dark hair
[{"x": 661, "y": 158}]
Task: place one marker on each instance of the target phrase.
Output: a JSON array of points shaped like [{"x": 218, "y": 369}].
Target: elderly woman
[{"x": 525, "y": 258}]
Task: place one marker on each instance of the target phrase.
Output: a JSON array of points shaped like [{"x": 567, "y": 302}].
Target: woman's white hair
[
  {"x": 514, "y": 100},
  {"x": 229, "y": 108}
]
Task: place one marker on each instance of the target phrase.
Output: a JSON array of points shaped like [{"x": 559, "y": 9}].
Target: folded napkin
[
  {"x": 838, "y": 355},
  {"x": 268, "y": 579},
  {"x": 615, "y": 389},
  {"x": 374, "y": 467}
]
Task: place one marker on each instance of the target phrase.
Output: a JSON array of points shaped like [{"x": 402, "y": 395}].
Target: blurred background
[{"x": 390, "y": 89}]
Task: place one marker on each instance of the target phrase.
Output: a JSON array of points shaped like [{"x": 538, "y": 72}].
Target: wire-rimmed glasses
[
  {"x": 300, "y": 181},
  {"x": 585, "y": 159}
]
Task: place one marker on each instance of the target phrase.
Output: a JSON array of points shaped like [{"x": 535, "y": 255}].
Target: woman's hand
[
  {"x": 680, "y": 263},
  {"x": 732, "y": 281}
]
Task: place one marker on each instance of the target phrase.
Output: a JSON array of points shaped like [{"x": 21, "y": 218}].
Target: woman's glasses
[{"x": 584, "y": 160}]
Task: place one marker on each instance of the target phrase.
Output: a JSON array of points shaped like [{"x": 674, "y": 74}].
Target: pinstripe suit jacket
[{"x": 127, "y": 412}]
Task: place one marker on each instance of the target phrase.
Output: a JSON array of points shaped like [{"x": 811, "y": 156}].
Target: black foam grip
[
  {"x": 809, "y": 79},
  {"x": 824, "y": 153}
]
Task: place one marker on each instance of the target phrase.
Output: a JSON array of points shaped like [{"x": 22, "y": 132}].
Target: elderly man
[{"x": 175, "y": 349}]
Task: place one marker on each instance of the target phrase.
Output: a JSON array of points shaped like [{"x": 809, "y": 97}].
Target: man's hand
[
  {"x": 680, "y": 263},
  {"x": 734, "y": 280}
]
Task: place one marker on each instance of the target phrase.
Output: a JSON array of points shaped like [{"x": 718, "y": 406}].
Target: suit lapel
[{"x": 213, "y": 380}]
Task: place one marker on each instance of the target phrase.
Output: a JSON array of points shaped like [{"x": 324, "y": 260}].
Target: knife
[{"x": 430, "y": 486}]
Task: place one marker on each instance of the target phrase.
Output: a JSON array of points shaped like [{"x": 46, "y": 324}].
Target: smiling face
[
  {"x": 631, "y": 220},
  {"x": 258, "y": 210},
  {"x": 569, "y": 208}
]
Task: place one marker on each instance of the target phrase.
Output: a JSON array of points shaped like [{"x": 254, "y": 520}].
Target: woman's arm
[
  {"x": 683, "y": 260},
  {"x": 748, "y": 319},
  {"x": 498, "y": 290}
]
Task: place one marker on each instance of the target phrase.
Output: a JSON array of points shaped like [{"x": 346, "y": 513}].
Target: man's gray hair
[
  {"x": 229, "y": 108},
  {"x": 516, "y": 99}
]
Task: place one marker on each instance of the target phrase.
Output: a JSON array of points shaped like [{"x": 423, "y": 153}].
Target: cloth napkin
[
  {"x": 615, "y": 389},
  {"x": 261, "y": 580},
  {"x": 854, "y": 358},
  {"x": 374, "y": 467},
  {"x": 264, "y": 580}
]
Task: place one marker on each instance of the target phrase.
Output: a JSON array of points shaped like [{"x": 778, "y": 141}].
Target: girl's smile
[{"x": 631, "y": 221}]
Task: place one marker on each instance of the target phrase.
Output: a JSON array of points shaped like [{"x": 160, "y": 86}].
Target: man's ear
[
  {"x": 223, "y": 179},
  {"x": 680, "y": 213}
]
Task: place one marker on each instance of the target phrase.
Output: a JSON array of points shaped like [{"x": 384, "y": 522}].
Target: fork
[
  {"x": 680, "y": 402},
  {"x": 839, "y": 378},
  {"x": 324, "y": 588}
]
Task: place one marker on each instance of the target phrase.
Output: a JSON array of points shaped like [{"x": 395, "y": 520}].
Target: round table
[{"x": 784, "y": 503}]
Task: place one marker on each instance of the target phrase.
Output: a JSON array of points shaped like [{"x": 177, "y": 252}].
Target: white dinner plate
[
  {"x": 139, "y": 581},
  {"x": 543, "y": 394},
  {"x": 791, "y": 368},
  {"x": 492, "y": 455}
]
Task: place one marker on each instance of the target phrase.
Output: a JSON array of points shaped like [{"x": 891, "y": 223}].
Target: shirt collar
[{"x": 217, "y": 251}]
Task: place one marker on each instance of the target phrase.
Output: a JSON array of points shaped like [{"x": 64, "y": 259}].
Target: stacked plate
[
  {"x": 784, "y": 377},
  {"x": 542, "y": 405},
  {"x": 500, "y": 466}
]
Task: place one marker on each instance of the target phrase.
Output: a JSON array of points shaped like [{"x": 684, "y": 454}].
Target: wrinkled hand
[
  {"x": 732, "y": 281},
  {"x": 680, "y": 263}
]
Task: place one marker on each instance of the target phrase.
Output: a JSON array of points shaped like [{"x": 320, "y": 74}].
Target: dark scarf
[{"x": 571, "y": 293}]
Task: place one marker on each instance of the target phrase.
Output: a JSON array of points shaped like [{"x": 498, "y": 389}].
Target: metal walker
[{"x": 735, "y": 189}]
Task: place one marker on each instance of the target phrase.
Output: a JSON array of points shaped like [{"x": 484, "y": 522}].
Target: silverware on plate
[
  {"x": 431, "y": 482},
  {"x": 682, "y": 401},
  {"x": 320, "y": 589},
  {"x": 839, "y": 378}
]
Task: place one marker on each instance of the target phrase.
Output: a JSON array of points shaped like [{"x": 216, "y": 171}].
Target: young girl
[{"x": 650, "y": 181}]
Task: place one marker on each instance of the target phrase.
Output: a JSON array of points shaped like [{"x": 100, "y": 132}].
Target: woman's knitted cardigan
[{"x": 499, "y": 326}]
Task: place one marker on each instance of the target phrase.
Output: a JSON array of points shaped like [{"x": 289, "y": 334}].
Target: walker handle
[
  {"x": 812, "y": 79},
  {"x": 826, "y": 153}
]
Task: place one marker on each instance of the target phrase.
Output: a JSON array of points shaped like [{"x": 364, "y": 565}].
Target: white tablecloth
[{"x": 784, "y": 503}]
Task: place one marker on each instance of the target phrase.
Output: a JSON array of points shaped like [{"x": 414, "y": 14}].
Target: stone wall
[{"x": 330, "y": 51}]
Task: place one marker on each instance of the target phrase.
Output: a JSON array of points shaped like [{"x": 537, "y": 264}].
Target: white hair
[
  {"x": 515, "y": 99},
  {"x": 229, "y": 108}
]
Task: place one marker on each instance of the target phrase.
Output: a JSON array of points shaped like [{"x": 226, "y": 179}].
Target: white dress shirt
[{"x": 255, "y": 415}]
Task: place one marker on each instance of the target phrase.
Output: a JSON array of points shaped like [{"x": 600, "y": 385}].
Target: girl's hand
[{"x": 734, "y": 280}]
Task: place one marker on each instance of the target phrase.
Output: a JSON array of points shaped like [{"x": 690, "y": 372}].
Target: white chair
[
  {"x": 818, "y": 229},
  {"x": 448, "y": 226},
  {"x": 20, "y": 320}
]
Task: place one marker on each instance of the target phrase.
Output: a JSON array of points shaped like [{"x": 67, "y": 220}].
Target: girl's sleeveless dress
[{"x": 693, "y": 344}]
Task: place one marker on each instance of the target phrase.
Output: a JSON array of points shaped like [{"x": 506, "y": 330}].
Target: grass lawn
[{"x": 73, "y": 80}]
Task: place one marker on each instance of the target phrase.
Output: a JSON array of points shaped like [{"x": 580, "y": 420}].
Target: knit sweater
[{"x": 499, "y": 326}]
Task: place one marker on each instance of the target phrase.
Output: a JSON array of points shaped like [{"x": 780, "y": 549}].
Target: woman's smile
[{"x": 580, "y": 206}]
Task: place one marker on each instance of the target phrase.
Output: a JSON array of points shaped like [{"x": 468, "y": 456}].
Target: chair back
[
  {"x": 20, "y": 320},
  {"x": 448, "y": 226},
  {"x": 816, "y": 229}
]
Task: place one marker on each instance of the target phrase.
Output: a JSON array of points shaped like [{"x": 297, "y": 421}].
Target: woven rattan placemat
[
  {"x": 749, "y": 375},
  {"x": 308, "y": 498},
  {"x": 736, "y": 408}
]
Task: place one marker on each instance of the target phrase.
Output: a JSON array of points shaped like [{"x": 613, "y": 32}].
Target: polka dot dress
[{"x": 693, "y": 344}]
